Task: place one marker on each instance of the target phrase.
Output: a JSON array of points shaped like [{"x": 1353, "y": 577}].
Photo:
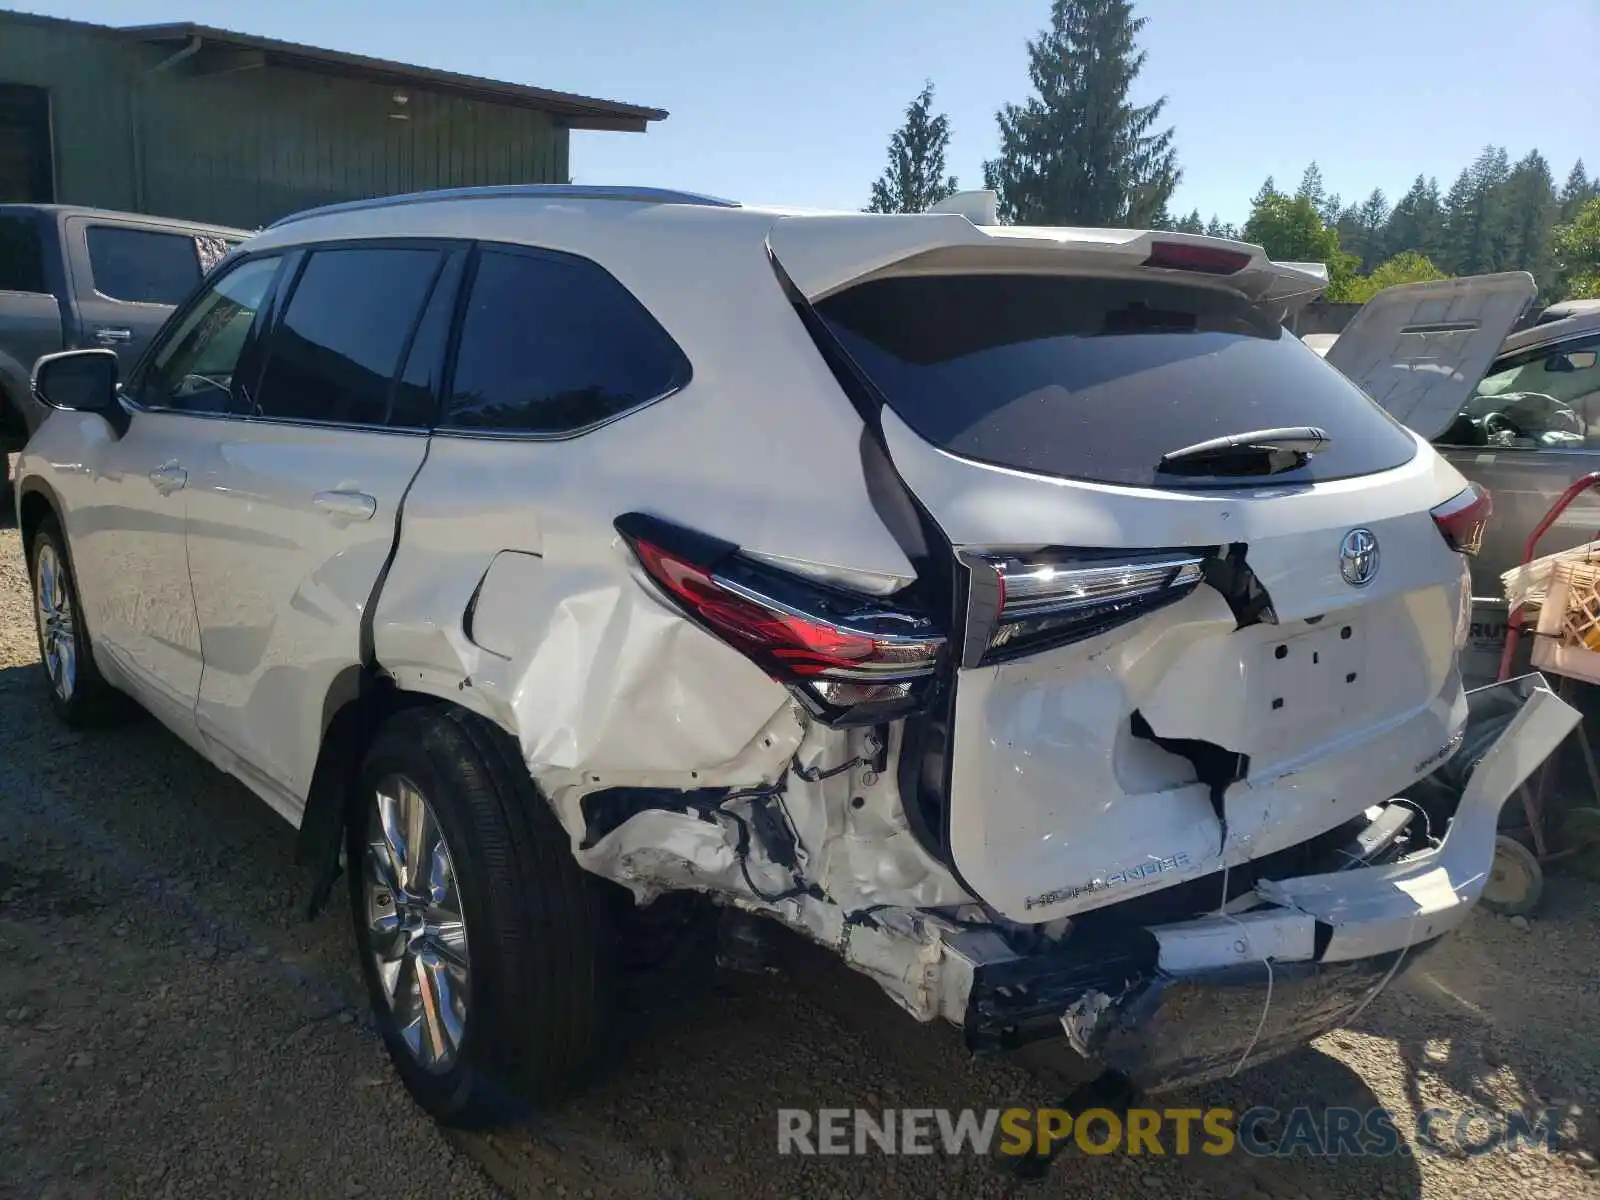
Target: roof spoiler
[
  {"x": 825, "y": 254},
  {"x": 981, "y": 207},
  {"x": 1314, "y": 269}
]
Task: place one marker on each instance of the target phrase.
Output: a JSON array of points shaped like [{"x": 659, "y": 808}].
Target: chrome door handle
[
  {"x": 110, "y": 337},
  {"x": 352, "y": 506},
  {"x": 169, "y": 478}
]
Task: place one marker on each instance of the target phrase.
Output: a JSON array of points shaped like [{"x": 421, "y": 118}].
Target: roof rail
[{"x": 529, "y": 191}]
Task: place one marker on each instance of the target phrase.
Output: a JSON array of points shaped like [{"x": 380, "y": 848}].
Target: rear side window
[
  {"x": 21, "y": 256},
  {"x": 1096, "y": 379},
  {"x": 552, "y": 344},
  {"x": 142, "y": 266},
  {"x": 336, "y": 350}
]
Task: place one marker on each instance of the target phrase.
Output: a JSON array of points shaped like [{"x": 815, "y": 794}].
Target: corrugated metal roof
[{"x": 577, "y": 112}]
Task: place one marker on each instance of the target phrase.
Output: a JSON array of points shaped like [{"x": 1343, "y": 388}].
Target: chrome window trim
[
  {"x": 409, "y": 430},
  {"x": 564, "y": 435}
]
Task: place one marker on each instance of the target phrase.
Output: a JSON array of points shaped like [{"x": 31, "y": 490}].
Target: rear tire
[
  {"x": 79, "y": 694},
  {"x": 523, "y": 995}
]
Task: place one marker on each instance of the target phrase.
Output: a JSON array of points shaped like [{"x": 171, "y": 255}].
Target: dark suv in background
[{"x": 84, "y": 277}]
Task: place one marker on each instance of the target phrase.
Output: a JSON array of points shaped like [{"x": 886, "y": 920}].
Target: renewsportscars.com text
[{"x": 1261, "y": 1131}]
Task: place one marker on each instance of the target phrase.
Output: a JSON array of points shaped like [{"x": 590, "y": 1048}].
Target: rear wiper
[{"x": 1258, "y": 452}]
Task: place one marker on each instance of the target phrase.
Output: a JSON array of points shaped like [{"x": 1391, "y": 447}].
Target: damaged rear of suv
[{"x": 1022, "y": 613}]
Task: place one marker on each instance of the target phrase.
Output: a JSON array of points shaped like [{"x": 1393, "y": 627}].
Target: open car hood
[{"x": 1419, "y": 349}]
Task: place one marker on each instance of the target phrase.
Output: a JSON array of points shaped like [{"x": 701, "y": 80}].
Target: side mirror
[{"x": 79, "y": 381}]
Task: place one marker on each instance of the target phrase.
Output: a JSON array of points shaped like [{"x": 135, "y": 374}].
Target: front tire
[
  {"x": 79, "y": 694},
  {"x": 485, "y": 948}
]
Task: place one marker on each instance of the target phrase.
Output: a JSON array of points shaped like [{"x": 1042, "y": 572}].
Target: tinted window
[
  {"x": 21, "y": 256},
  {"x": 552, "y": 344},
  {"x": 337, "y": 347},
  {"x": 141, "y": 266},
  {"x": 1097, "y": 379},
  {"x": 193, "y": 367},
  {"x": 416, "y": 397}
]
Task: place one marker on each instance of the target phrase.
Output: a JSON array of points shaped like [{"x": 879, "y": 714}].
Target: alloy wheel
[
  {"x": 58, "y": 640},
  {"x": 416, "y": 929}
]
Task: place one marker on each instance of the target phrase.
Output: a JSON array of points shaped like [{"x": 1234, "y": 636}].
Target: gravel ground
[{"x": 171, "y": 1027}]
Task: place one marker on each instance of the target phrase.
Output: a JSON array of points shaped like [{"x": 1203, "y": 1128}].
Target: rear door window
[
  {"x": 334, "y": 354},
  {"x": 552, "y": 345},
  {"x": 21, "y": 256},
  {"x": 142, "y": 266},
  {"x": 1096, "y": 379}
]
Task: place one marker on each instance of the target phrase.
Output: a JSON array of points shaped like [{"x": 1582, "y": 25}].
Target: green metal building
[{"x": 190, "y": 121}]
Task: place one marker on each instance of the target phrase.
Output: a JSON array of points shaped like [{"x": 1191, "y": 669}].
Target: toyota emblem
[{"x": 1358, "y": 557}]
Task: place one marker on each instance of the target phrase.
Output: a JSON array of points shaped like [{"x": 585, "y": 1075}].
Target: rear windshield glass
[{"x": 1096, "y": 379}]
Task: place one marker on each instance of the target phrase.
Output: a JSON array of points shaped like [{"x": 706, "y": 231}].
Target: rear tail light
[
  {"x": 1040, "y": 603},
  {"x": 850, "y": 658},
  {"x": 1197, "y": 256},
  {"x": 1463, "y": 518}
]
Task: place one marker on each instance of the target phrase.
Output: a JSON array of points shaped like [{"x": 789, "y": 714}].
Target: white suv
[{"x": 1021, "y": 612}]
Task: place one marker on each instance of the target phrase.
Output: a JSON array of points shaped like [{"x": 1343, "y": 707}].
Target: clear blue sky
[{"x": 795, "y": 102}]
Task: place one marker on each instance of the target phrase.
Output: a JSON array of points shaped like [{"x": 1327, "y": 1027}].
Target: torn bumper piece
[
  {"x": 1192, "y": 1001},
  {"x": 1193, "y": 1028}
]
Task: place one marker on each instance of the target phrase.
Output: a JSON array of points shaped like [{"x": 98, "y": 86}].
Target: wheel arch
[
  {"x": 38, "y": 500},
  {"x": 358, "y": 700},
  {"x": 14, "y": 381}
]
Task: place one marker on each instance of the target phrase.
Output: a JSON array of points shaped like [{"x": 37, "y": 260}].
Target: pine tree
[
  {"x": 1219, "y": 228},
  {"x": 1193, "y": 223},
  {"x": 1414, "y": 223},
  {"x": 1347, "y": 223},
  {"x": 1264, "y": 193},
  {"x": 1370, "y": 218},
  {"x": 1078, "y": 152},
  {"x": 1454, "y": 222},
  {"x": 915, "y": 177},
  {"x": 1311, "y": 186},
  {"x": 1477, "y": 228},
  {"x": 1331, "y": 208},
  {"x": 1577, "y": 191},
  {"x": 1531, "y": 212}
]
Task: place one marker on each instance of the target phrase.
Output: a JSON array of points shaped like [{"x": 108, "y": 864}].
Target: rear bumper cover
[
  {"x": 1204, "y": 1025},
  {"x": 1191, "y": 1001}
]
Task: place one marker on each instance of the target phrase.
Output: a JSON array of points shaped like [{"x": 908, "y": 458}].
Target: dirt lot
[{"x": 171, "y": 1027}]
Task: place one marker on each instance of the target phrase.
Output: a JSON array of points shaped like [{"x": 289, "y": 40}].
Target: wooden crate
[{"x": 1567, "y": 638}]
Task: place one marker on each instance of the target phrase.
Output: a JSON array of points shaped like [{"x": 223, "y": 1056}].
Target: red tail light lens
[
  {"x": 1463, "y": 518},
  {"x": 850, "y": 658},
  {"x": 1193, "y": 256}
]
